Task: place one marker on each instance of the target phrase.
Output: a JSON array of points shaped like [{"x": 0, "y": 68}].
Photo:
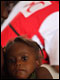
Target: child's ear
[
  {"x": 37, "y": 64},
  {"x": 40, "y": 58}
]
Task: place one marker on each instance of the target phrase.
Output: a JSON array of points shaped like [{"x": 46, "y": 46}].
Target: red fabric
[
  {"x": 55, "y": 2},
  {"x": 46, "y": 58},
  {"x": 7, "y": 35}
]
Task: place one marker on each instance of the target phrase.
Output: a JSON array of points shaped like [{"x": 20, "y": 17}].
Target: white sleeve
[{"x": 50, "y": 31}]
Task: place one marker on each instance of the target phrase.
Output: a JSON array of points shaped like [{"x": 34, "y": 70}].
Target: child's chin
[{"x": 21, "y": 76}]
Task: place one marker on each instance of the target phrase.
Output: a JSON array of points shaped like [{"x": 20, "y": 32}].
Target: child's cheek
[{"x": 11, "y": 69}]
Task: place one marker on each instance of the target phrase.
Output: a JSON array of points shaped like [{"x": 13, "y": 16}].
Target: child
[{"x": 22, "y": 58}]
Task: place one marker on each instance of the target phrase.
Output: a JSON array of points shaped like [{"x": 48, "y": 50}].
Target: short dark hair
[{"x": 26, "y": 41}]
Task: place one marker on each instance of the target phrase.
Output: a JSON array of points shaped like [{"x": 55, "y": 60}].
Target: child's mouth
[
  {"x": 20, "y": 70},
  {"x": 21, "y": 73}
]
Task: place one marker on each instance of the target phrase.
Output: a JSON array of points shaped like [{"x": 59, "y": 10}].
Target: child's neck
[{"x": 33, "y": 75}]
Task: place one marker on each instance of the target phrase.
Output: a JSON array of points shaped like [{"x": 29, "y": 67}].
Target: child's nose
[{"x": 18, "y": 62}]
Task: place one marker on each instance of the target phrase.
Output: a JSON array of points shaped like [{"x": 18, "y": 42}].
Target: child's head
[{"x": 22, "y": 57}]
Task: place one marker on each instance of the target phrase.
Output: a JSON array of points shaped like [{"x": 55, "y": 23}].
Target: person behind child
[{"x": 22, "y": 58}]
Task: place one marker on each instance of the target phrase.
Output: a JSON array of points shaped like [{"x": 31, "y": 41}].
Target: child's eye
[
  {"x": 11, "y": 61},
  {"x": 24, "y": 58}
]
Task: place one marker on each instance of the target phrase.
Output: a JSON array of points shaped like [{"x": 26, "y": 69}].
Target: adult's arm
[{"x": 56, "y": 67}]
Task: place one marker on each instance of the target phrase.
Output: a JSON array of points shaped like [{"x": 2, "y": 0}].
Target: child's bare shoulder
[{"x": 43, "y": 73}]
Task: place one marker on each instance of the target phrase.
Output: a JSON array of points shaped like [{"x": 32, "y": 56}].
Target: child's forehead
[
  {"x": 20, "y": 45},
  {"x": 20, "y": 48}
]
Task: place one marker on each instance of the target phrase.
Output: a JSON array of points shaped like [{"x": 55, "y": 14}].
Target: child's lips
[{"x": 21, "y": 70}]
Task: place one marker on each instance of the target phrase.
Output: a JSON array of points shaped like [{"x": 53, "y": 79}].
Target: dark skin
[
  {"x": 56, "y": 68},
  {"x": 4, "y": 8},
  {"x": 21, "y": 61},
  {"x": 4, "y": 12},
  {"x": 43, "y": 73}
]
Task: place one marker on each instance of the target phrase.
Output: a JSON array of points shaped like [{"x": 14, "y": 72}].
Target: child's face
[{"x": 21, "y": 60}]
